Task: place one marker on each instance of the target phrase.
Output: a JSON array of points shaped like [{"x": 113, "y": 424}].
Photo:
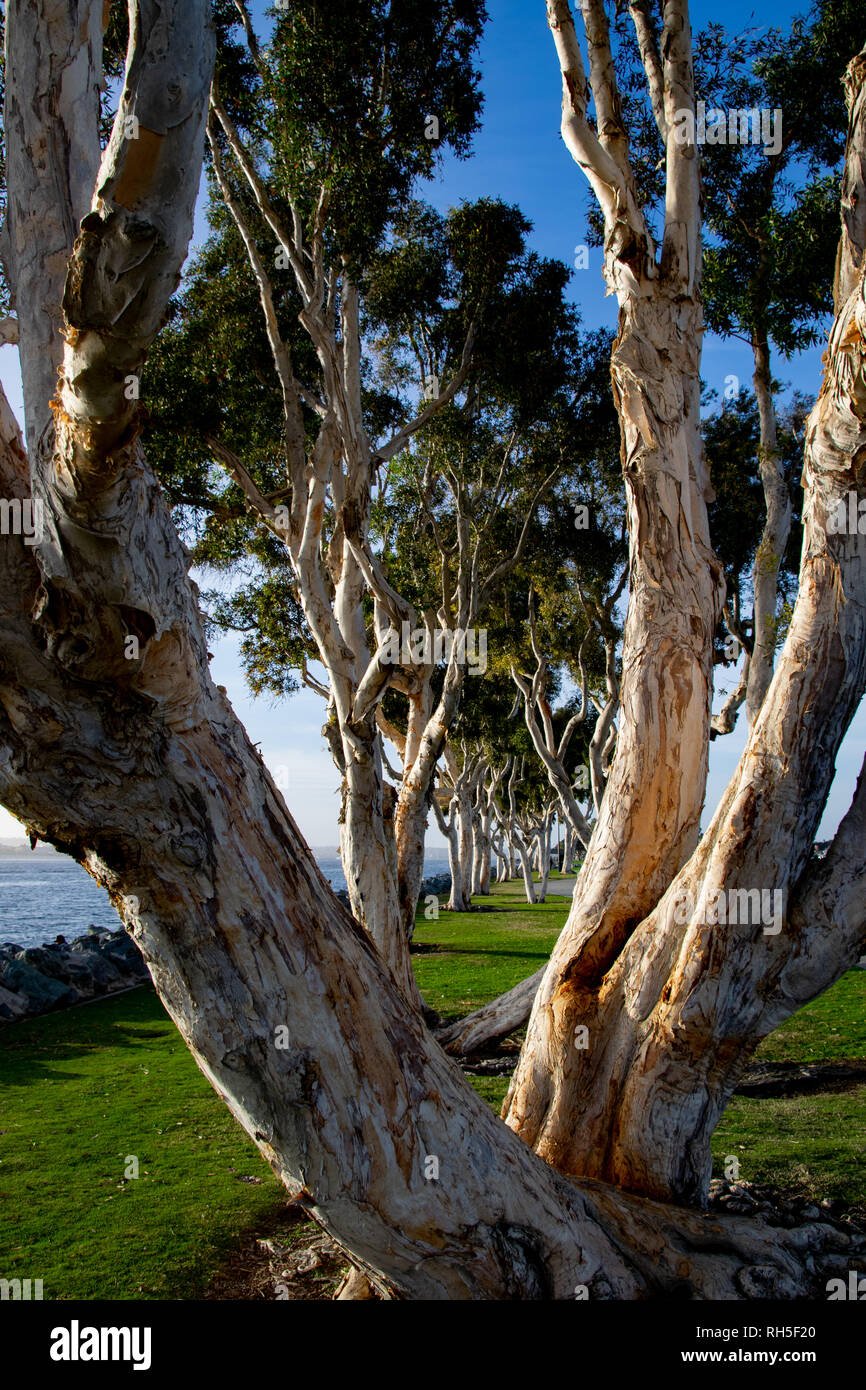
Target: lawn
[
  {"x": 84, "y": 1091},
  {"x": 469, "y": 958},
  {"x": 81, "y": 1092}
]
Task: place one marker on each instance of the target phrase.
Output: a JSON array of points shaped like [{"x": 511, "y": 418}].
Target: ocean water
[{"x": 42, "y": 896}]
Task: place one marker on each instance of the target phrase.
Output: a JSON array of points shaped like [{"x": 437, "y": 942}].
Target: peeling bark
[
  {"x": 649, "y": 817},
  {"x": 674, "y": 1015}
]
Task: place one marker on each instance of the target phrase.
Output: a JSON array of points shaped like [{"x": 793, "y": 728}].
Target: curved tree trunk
[
  {"x": 721, "y": 962},
  {"x": 672, "y": 1016},
  {"x": 648, "y": 821}
]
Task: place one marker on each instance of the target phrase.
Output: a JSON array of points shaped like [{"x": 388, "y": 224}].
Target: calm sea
[{"x": 41, "y": 896}]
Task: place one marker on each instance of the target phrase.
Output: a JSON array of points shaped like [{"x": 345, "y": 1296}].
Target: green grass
[
  {"x": 811, "y": 1144},
  {"x": 833, "y": 1027},
  {"x": 483, "y": 953},
  {"x": 83, "y": 1089}
]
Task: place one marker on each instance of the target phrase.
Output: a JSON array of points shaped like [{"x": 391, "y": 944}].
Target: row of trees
[
  {"x": 486, "y": 487},
  {"x": 376, "y": 419}
]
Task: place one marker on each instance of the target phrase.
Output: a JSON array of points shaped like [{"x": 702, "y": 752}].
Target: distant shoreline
[{"x": 25, "y": 852}]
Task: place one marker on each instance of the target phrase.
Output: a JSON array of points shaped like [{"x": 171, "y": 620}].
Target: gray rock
[
  {"x": 104, "y": 972},
  {"x": 63, "y": 966},
  {"x": 12, "y": 1006},
  {"x": 97, "y": 963},
  {"x": 123, "y": 953},
  {"x": 41, "y": 991}
]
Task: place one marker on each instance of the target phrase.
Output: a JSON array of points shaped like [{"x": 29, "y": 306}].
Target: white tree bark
[{"x": 649, "y": 817}]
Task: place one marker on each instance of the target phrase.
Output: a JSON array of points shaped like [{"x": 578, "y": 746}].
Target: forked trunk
[
  {"x": 648, "y": 820},
  {"x": 369, "y": 859}
]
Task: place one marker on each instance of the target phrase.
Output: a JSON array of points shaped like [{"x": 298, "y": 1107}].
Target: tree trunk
[
  {"x": 777, "y": 527},
  {"x": 487, "y": 1026},
  {"x": 544, "y": 842},
  {"x": 410, "y": 822},
  {"x": 369, "y": 858},
  {"x": 449, "y": 828},
  {"x": 690, "y": 997},
  {"x": 502, "y": 861},
  {"x": 672, "y": 1017},
  {"x": 477, "y": 851},
  {"x": 467, "y": 841},
  {"x": 526, "y": 869},
  {"x": 425, "y": 740},
  {"x": 484, "y": 880},
  {"x": 648, "y": 821}
]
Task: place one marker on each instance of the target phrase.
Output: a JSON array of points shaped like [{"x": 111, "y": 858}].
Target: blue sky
[{"x": 518, "y": 156}]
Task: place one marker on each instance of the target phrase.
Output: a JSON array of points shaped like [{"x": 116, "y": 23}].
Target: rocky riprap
[
  {"x": 37, "y": 979},
  {"x": 830, "y": 1234}
]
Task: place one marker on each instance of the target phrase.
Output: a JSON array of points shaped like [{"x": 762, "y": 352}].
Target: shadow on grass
[{"x": 28, "y": 1049}]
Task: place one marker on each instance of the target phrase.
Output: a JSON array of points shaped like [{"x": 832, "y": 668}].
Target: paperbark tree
[
  {"x": 648, "y": 822},
  {"x": 675, "y": 1000},
  {"x": 139, "y": 769},
  {"x": 470, "y": 495},
  {"x": 289, "y": 197},
  {"x": 470, "y": 499},
  {"x": 458, "y": 774},
  {"x": 550, "y": 749}
]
